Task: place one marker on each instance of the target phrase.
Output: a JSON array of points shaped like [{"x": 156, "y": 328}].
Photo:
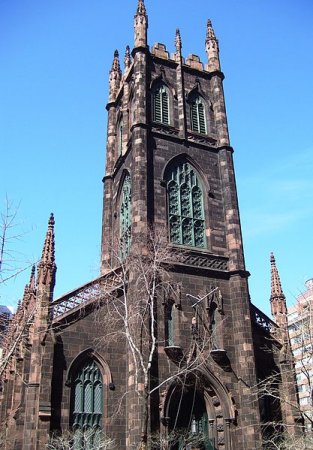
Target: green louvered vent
[
  {"x": 185, "y": 206},
  {"x": 161, "y": 105},
  {"x": 198, "y": 122}
]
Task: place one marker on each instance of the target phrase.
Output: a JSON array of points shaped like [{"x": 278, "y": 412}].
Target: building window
[
  {"x": 160, "y": 99},
  {"x": 185, "y": 206},
  {"x": 125, "y": 216},
  {"x": 87, "y": 401},
  {"x": 120, "y": 137},
  {"x": 197, "y": 111}
]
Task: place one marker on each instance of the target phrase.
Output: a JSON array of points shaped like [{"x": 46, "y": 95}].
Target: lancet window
[
  {"x": 120, "y": 136},
  {"x": 87, "y": 409},
  {"x": 161, "y": 105},
  {"x": 125, "y": 216},
  {"x": 197, "y": 113},
  {"x": 185, "y": 206}
]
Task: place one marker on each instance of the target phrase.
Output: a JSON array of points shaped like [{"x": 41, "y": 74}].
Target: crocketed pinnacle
[
  {"x": 32, "y": 278},
  {"x": 127, "y": 59},
  {"x": 210, "y": 35},
  {"x": 47, "y": 257},
  {"x": 178, "y": 42},
  {"x": 141, "y": 9},
  {"x": 276, "y": 289},
  {"x": 116, "y": 63}
]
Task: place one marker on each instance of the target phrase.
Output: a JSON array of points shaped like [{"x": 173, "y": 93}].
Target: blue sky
[{"x": 55, "y": 58}]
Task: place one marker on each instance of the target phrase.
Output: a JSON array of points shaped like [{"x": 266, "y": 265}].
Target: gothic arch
[
  {"x": 184, "y": 156},
  {"x": 85, "y": 355},
  {"x": 200, "y": 391},
  {"x": 161, "y": 79},
  {"x": 124, "y": 174},
  {"x": 186, "y": 204}
]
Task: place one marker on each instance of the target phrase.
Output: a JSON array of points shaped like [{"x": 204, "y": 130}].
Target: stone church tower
[{"x": 169, "y": 169}]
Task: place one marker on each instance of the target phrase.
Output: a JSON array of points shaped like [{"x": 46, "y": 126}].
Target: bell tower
[{"x": 170, "y": 166}]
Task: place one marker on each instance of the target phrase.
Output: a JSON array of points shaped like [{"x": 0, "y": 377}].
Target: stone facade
[{"x": 52, "y": 339}]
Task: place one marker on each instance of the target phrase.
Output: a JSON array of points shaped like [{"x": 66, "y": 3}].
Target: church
[{"x": 164, "y": 350}]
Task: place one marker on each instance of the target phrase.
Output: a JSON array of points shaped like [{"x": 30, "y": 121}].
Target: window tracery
[
  {"x": 87, "y": 400},
  {"x": 185, "y": 206},
  {"x": 125, "y": 216}
]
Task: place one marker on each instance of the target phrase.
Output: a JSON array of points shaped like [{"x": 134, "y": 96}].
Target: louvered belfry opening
[
  {"x": 161, "y": 105},
  {"x": 198, "y": 122}
]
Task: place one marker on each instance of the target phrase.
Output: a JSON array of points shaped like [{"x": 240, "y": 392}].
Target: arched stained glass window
[
  {"x": 185, "y": 206},
  {"x": 161, "y": 105},
  {"x": 197, "y": 112},
  {"x": 125, "y": 216},
  {"x": 87, "y": 401}
]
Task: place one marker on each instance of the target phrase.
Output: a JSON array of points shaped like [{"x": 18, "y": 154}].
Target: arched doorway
[{"x": 198, "y": 415}]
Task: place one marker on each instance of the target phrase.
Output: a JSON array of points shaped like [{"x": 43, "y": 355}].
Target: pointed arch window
[
  {"x": 87, "y": 409},
  {"x": 185, "y": 206},
  {"x": 125, "y": 216},
  {"x": 120, "y": 136},
  {"x": 197, "y": 112},
  {"x": 160, "y": 100}
]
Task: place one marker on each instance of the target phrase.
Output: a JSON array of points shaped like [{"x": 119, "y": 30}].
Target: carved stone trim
[
  {"x": 206, "y": 261},
  {"x": 202, "y": 139}
]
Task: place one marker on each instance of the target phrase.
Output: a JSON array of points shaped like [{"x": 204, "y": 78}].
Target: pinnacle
[
  {"x": 141, "y": 9},
  {"x": 116, "y": 62},
  {"x": 276, "y": 289},
  {"x": 210, "y": 35},
  {"x": 48, "y": 248},
  {"x": 127, "y": 59},
  {"x": 178, "y": 42}
]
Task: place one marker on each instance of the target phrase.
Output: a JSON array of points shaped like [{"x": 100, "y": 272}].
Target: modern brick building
[
  {"x": 169, "y": 168},
  {"x": 300, "y": 326}
]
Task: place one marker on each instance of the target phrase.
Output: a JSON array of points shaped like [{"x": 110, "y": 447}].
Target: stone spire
[
  {"x": 277, "y": 299},
  {"x": 47, "y": 266},
  {"x": 212, "y": 49},
  {"x": 32, "y": 283},
  {"x": 141, "y": 9},
  {"x": 141, "y": 25},
  {"x": 115, "y": 77},
  {"x": 178, "y": 42},
  {"x": 30, "y": 287},
  {"x": 127, "y": 58}
]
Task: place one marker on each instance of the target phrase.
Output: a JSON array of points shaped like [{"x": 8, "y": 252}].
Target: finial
[
  {"x": 210, "y": 35},
  {"x": 32, "y": 277},
  {"x": 212, "y": 50},
  {"x": 127, "y": 59},
  {"x": 141, "y": 9},
  {"x": 178, "y": 43},
  {"x": 276, "y": 289},
  {"x": 277, "y": 299},
  {"x": 47, "y": 262},
  {"x": 116, "y": 62}
]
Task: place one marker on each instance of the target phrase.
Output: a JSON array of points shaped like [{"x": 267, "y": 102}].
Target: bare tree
[
  {"x": 10, "y": 233},
  {"x": 145, "y": 282},
  {"x": 68, "y": 441}
]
